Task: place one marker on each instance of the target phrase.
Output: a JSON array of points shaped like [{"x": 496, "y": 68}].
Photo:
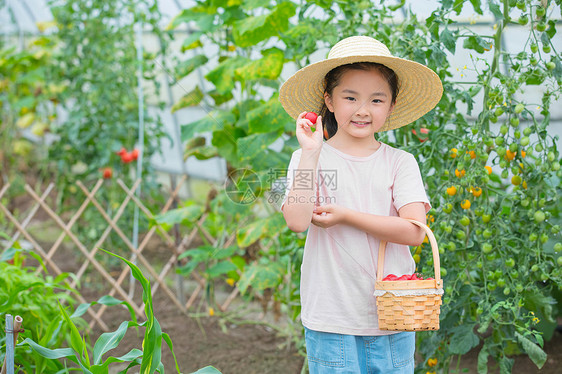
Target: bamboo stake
[{"x": 13, "y": 326}]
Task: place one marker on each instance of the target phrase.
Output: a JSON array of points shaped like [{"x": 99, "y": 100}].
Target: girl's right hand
[{"x": 308, "y": 140}]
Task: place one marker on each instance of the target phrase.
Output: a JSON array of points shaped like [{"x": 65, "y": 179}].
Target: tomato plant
[{"x": 491, "y": 166}]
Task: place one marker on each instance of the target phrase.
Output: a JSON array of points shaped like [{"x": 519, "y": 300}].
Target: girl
[{"x": 355, "y": 191}]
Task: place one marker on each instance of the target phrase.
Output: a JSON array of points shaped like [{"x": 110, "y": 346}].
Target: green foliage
[
  {"x": 97, "y": 63},
  {"x": 91, "y": 361},
  {"x": 35, "y": 298},
  {"x": 499, "y": 232},
  {"x": 28, "y": 98}
]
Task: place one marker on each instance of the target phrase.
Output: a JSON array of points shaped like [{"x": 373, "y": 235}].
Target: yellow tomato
[
  {"x": 516, "y": 180},
  {"x": 453, "y": 153},
  {"x": 488, "y": 169},
  {"x": 476, "y": 191},
  {"x": 465, "y": 204},
  {"x": 510, "y": 155},
  {"x": 452, "y": 191},
  {"x": 460, "y": 173}
]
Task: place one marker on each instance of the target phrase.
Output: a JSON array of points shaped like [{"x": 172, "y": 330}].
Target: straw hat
[{"x": 420, "y": 88}]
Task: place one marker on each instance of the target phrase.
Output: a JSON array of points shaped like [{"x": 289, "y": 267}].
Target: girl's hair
[{"x": 333, "y": 78}]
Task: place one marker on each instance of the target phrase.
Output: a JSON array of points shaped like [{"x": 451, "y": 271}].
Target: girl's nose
[{"x": 362, "y": 110}]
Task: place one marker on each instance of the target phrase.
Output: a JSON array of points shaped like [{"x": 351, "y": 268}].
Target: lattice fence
[{"x": 113, "y": 282}]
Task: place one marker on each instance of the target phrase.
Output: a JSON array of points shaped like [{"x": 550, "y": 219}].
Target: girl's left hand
[{"x": 334, "y": 214}]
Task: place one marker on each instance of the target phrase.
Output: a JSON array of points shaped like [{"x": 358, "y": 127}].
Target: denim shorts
[{"x": 338, "y": 353}]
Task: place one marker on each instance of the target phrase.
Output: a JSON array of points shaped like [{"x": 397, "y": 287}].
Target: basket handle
[{"x": 434, "y": 249}]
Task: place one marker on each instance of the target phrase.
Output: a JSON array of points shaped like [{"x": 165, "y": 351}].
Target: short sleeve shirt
[{"x": 339, "y": 264}]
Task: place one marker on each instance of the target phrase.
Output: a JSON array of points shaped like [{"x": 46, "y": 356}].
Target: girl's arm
[
  {"x": 386, "y": 228},
  {"x": 298, "y": 207}
]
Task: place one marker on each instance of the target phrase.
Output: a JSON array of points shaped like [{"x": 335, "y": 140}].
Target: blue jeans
[{"x": 330, "y": 353}]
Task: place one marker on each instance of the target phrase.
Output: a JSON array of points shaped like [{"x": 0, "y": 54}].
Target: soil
[
  {"x": 236, "y": 348},
  {"x": 199, "y": 342},
  {"x": 233, "y": 347}
]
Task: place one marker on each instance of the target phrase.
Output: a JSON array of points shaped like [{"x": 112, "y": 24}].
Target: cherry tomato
[{"x": 311, "y": 116}]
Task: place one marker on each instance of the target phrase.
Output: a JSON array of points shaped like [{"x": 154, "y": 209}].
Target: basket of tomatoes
[{"x": 409, "y": 302}]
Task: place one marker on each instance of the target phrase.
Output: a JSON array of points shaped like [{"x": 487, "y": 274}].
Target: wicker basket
[{"x": 409, "y": 305}]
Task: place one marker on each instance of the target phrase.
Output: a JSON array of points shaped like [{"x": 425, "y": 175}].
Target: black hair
[{"x": 333, "y": 78}]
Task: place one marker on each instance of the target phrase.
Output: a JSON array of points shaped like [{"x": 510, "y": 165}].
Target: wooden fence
[{"x": 114, "y": 282}]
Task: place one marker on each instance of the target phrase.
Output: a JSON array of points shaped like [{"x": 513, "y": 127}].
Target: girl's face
[{"x": 361, "y": 102}]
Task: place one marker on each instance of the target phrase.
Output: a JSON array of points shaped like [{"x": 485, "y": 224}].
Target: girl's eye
[
  {"x": 377, "y": 101},
  {"x": 350, "y": 98}
]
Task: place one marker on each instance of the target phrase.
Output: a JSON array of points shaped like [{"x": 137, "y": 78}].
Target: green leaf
[
  {"x": 536, "y": 354},
  {"x": 221, "y": 253},
  {"x": 221, "y": 76},
  {"x": 551, "y": 31},
  {"x": 268, "y": 117},
  {"x": 225, "y": 142},
  {"x": 476, "y": 6},
  {"x": 506, "y": 365},
  {"x": 187, "y": 214},
  {"x": 190, "y": 99},
  {"x": 254, "y": 4},
  {"x": 109, "y": 340},
  {"x": 186, "y": 15},
  {"x": 477, "y": 43},
  {"x": 252, "y": 30},
  {"x": 258, "y": 229},
  {"x": 76, "y": 341},
  {"x": 397, "y": 6},
  {"x": 458, "y": 5},
  {"x": 534, "y": 77},
  {"x": 49, "y": 353},
  {"x": 168, "y": 341},
  {"x": 207, "y": 370},
  {"x": 152, "y": 342},
  {"x": 152, "y": 345},
  {"x": 463, "y": 339},
  {"x": 192, "y": 41},
  {"x": 483, "y": 361},
  {"x": 220, "y": 98},
  {"x": 253, "y": 145},
  {"x": 220, "y": 268},
  {"x": 215, "y": 120},
  {"x": 495, "y": 9},
  {"x": 261, "y": 276},
  {"x": 269, "y": 66},
  {"x": 448, "y": 40},
  {"x": 186, "y": 67},
  {"x": 202, "y": 153},
  {"x": 133, "y": 354}
]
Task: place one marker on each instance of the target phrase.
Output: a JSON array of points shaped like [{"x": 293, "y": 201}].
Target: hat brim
[{"x": 420, "y": 89}]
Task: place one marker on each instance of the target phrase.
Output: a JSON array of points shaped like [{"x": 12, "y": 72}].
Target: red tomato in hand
[{"x": 311, "y": 116}]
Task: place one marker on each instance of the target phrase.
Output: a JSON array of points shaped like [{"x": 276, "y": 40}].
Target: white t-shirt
[{"x": 339, "y": 264}]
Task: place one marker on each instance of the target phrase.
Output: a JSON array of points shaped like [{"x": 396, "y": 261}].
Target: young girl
[{"x": 352, "y": 191}]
